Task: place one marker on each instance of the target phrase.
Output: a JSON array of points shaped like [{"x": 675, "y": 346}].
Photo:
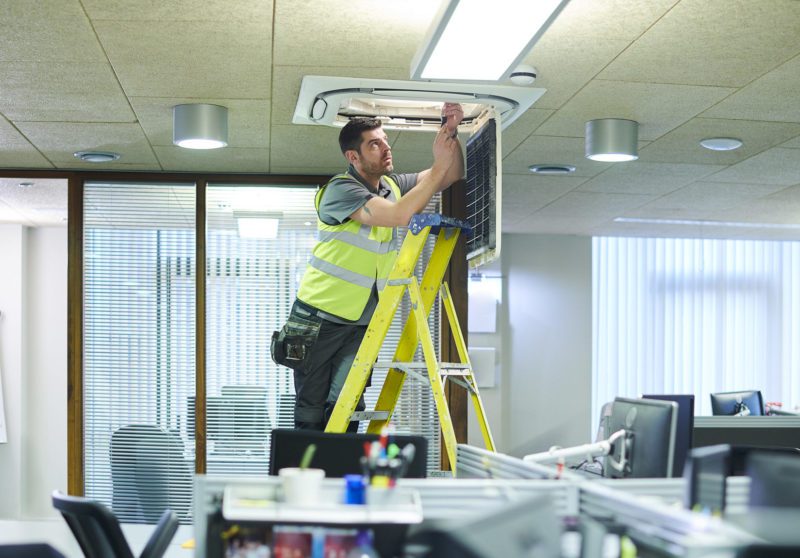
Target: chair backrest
[
  {"x": 95, "y": 528},
  {"x": 337, "y": 454},
  {"x": 149, "y": 473}
]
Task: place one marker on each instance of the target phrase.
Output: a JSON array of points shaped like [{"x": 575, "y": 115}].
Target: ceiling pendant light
[
  {"x": 612, "y": 140},
  {"x": 200, "y": 126}
]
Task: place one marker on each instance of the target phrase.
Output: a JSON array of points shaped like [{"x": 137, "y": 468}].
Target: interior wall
[
  {"x": 45, "y": 457},
  {"x": 33, "y": 346},
  {"x": 12, "y": 252},
  {"x": 543, "y": 394}
]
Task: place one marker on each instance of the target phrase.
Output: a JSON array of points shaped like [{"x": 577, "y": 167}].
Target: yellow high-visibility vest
[{"x": 347, "y": 261}]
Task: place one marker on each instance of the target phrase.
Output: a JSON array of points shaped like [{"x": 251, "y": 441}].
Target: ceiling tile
[
  {"x": 62, "y": 92},
  {"x": 522, "y": 128},
  {"x": 647, "y": 178},
  {"x": 234, "y": 56},
  {"x": 537, "y": 150},
  {"x": 25, "y": 10},
  {"x": 770, "y": 97},
  {"x": 682, "y": 145},
  {"x": 774, "y": 166},
  {"x": 681, "y": 48},
  {"x": 550, "y": 53},
  {"x": 49, "y": 40},
  {"x": 339, "y": 35},
  {"x": 657, "y": 107},
  {"x": 711, "y": 196},
  {"x": 793, "y": 143},
  {"x": 17, "y": 151},
  {"x": 295, "y": 146},
  {"x": 44, "y": 193},
  {"x": 58, "y": 141},
  {"x": 610, "y": 19},
  {"x": 10, "y": 215},
  {"x": 248, "y": 120},
  {"x": 534, "y": 192},
  {"x": 593, "y": 205},
  {"x": 181, "y": 10},
  {"x": 227, "y": 159}
]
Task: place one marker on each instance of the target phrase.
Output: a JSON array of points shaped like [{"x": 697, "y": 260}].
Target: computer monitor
[
  {"x": 338, "y": 454},
  {"x": 706, "y": 473},
  {"x": 741, "y": 403},
  {"x": 647, "y": 450},
  {"x": 683, "y": 435},
  {"x": 774, "y": 479},
  {"x": 525, "y": 528}
]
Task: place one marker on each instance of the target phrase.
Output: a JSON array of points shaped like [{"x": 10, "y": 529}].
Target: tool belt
[{"x": 291, "y": 345}]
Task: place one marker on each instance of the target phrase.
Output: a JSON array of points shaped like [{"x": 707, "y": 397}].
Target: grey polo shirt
[{"x": 342, "y": 197}]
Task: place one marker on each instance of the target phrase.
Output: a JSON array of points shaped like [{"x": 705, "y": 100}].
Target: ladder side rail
[
  {"x": 428, "y": 350},
  {"x": 461, "y": 348},
  {"x": 379, "y": 324},
  {"x": 409, "y": 340}
]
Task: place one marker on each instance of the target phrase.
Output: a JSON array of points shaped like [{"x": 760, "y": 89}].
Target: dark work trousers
[{"x": 320, "y": 380}]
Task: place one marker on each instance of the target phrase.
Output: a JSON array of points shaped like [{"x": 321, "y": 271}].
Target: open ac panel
[{"x": 406, "y": 105}]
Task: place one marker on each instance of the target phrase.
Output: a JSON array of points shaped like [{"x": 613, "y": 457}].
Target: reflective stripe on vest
[{"x": 347, "y": 261}]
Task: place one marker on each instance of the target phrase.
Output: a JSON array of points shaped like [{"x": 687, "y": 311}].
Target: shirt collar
[{"x": 382, "y": 187}]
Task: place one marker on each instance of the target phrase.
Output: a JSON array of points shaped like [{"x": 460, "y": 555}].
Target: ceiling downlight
[
  {"x": 96, "y": 156},
  {"x": 552, "y": 169}
]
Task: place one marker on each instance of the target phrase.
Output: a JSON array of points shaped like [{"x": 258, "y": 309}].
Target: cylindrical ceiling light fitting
[
  {"x": 200, "y": 126},
  {"x": 612, "y": 140}
]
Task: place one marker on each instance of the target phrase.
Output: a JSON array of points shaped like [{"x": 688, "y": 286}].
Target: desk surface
[{"x": 56, "y": 533}]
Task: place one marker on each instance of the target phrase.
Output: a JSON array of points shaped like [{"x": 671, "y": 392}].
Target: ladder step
[
  {"x": 445, "y": 368},
  {"x": 370, "y": 415}
]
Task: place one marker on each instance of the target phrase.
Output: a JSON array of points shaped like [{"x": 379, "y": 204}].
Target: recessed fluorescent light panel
[
  {"x": 258, "y": 227},
  {"x": 474, "y": 40}
]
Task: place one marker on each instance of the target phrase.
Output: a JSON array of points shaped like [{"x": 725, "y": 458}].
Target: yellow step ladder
[{"x": 401, "y": 280}]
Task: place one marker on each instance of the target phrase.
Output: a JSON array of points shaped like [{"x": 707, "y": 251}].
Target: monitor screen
[
  {"x": 706, "y": 474},
  {"x": 647, "y": 450},
  {"x": 338, "y": 454},
  {"x": 525, "y": 528},
  {"x": 741, "y": 403},
  {"x": 774, "y": 479},
  {"x": 683, "y": 435}
]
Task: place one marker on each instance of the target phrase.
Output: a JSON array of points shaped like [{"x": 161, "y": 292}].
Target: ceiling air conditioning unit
[{"x": 406, "y": 105}]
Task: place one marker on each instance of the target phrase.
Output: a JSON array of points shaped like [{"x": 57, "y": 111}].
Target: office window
[
  {"x": 139, "y": 345},
  {"x": 258, "y": 242},
  {"x": 695, "y": 316},
  {"x": 139, "y": 336}
]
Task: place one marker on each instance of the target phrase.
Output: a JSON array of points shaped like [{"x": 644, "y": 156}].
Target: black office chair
[
  {"x": 149, "y": 473},
  {"x": 99, "y": 534}
]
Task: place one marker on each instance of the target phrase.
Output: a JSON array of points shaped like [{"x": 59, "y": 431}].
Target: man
[{"x": 357, "y": 215}]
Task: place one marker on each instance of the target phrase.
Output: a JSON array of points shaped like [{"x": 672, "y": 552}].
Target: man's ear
[{"x": 351, "y": 155}]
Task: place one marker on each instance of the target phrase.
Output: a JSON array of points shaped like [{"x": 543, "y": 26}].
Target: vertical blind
[
  {"x": 695, "y": 316},
  {"x": 139, "y": 337}
]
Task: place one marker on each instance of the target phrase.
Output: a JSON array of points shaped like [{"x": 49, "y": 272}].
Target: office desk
[{"x": 56, "y": 533}]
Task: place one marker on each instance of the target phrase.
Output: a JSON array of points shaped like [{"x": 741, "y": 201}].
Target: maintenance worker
[{"x": 357, "y": 244}]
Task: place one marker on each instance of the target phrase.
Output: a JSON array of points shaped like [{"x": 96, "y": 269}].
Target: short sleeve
[
  {"x": 405, "y": 181},
  {"x": 341, "y": 198}
]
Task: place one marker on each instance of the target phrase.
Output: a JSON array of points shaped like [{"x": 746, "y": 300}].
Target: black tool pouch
[{"x": 291, "y": 346}]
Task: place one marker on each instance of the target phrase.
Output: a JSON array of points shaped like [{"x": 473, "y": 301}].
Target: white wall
[
  {"x": 543, "y": 396},
  {"x": 33, "y": 361}
]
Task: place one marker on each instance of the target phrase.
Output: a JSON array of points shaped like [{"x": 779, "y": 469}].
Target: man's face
[{"x": 375, "y": 154}]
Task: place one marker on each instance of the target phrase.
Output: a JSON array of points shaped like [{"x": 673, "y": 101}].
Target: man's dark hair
[{"x": 350, "y": 136}]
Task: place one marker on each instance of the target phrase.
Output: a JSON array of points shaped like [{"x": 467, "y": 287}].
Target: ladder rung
[
  {"x": 369, "y": 415},
  {"x": 443, "y": 366}
]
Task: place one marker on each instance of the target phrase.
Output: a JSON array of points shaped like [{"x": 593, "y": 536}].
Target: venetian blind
[
  {"x": 139, "y": 346},
  {"x": 252, "y": 280}
]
